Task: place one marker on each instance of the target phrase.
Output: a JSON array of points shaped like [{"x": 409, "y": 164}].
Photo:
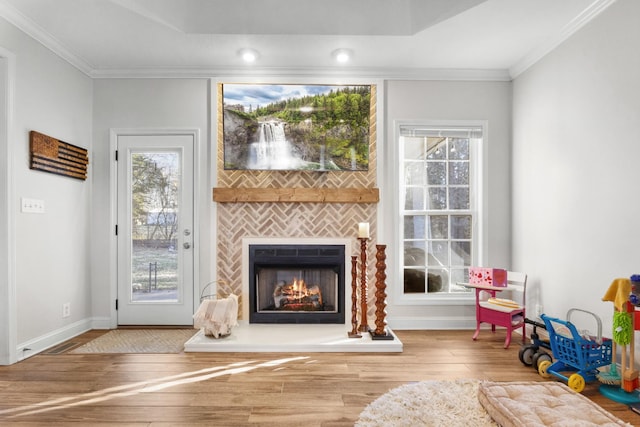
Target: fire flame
[
  {"x": 297, "y": 292},
  {"x": 299, "y": 288}
]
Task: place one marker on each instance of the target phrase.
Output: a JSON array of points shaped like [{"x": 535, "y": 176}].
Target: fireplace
[{"x": 296, "y": 283}]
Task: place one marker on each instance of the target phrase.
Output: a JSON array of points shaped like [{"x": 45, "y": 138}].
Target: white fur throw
[{"x": 217, "y": 316}]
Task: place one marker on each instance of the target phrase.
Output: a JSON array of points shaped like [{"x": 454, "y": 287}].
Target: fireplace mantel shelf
[{"x": 299, "y": 195}]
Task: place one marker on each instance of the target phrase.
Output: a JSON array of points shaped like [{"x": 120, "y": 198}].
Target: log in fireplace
[{"x": 296, "y": 283}]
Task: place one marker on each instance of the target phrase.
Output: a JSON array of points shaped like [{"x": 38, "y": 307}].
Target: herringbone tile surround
[{"x": 236, "y": 221}]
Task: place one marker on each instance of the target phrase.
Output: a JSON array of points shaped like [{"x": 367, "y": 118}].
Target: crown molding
[
  {"x": 32, "y": 29},
  {"x": 377, "y": 73},
  {"x": 552, "y": 43},
  {"x": 38, "y": 33}
]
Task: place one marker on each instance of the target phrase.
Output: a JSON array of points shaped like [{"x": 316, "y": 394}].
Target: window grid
[{"x": 437, "y": 212}]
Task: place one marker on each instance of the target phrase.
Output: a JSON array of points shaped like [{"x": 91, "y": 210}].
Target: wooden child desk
[{"x": 507, "y": 315}]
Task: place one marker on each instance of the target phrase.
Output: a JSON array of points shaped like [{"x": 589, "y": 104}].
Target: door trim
[
  {"x": 114, "y": 133},
  {"x": 9, "y": 353}
]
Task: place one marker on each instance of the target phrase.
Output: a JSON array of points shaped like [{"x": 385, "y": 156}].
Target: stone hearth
[
  {"x": 250, "y": 337},
  {"x": 276, "y": 338}
]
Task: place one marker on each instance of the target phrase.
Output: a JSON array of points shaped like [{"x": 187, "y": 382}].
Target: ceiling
[{"x": 491, "y": 39}]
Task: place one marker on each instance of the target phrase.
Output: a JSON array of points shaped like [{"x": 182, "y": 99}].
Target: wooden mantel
[{"x": 300, "y": 195}]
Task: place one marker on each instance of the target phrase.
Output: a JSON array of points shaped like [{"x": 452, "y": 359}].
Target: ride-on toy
[{"x": 536, "y": 351}]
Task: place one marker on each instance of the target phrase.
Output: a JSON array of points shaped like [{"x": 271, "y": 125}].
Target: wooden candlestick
[
  {"x": 354, "y": 298},
  {"x": 380, "y": 332},
  {"x": 364, "y": 326}
]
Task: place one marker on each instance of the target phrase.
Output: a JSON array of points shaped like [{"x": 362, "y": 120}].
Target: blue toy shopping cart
[{"x": 577, "y": 357}]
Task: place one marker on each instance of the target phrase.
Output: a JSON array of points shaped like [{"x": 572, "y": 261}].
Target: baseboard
[
  {"x": 43, "y": 342},
  {"x": 433, "y": 323},
  {"x": 449, "y": 323},
  {"x": 101, "y": 323}
]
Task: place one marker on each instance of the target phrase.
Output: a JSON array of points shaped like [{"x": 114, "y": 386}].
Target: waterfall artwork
[
  {"x": 272, "y": 150},
  {"x": 296, "y": 127}
]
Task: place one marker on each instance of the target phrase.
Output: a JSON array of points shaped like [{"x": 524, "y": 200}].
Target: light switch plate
[{"x": 32, "y": 205}]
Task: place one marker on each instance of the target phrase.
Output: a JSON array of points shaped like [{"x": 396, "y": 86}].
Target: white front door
[{"x": 155, "y": 229}]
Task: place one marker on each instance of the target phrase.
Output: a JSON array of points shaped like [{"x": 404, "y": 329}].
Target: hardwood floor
[{"x": 248, "y": 389}]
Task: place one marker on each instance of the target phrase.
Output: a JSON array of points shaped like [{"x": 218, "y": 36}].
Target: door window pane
[{"x": 155, "y": 185}]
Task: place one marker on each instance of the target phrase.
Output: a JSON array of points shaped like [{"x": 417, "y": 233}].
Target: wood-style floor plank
[{"x": 247, "y": 389}]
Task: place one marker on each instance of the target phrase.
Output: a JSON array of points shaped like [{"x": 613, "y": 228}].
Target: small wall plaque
[{"x": 52, "y": 155}]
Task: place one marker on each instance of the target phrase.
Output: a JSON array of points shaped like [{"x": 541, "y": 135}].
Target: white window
[{"x": 439, "y": 207}]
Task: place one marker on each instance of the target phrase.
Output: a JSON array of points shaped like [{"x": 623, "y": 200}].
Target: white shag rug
[{"x": 428, "y": 403}]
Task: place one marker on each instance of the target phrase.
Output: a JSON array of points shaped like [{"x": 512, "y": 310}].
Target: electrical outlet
[
  {"x": 539, "y": 310},
  {"x": 66, "y": 309}
]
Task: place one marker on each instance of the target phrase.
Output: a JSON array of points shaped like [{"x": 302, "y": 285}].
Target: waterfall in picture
[
  {"x": 272, "y": 151},
  {"x": 322, "y": 149}
]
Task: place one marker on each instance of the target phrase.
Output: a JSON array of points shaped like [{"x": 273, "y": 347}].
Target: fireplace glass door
[
  {"x": 296, "y": 290},
  {"x": 296, "y": 283}
]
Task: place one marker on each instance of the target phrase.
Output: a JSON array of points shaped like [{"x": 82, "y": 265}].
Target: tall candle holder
[
  {"x": 364, "y": 326},
  {"x": 354, "y": 298},
  {"x": 381, "y": 333}
]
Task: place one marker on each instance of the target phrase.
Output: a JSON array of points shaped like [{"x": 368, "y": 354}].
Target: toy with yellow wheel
[
  {"x": 576, "y": 382},
  {"x": 577, "y": 356},
  {"x": 542, "y": 369}
]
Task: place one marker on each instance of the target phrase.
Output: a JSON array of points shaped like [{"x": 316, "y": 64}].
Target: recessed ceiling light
[
  {"x": 342, "y": 55},
  {"x": 248, "y": 55}
]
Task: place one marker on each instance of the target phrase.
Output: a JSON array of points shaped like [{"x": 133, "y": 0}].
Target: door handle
[{"x": 186, "y": 245}]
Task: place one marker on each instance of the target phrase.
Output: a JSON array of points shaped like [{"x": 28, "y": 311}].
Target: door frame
[
  {"x": 114, "y": 133},
  {"x": 8, "y": 312}
]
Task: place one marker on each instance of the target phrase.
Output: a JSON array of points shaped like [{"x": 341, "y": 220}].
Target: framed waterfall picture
[{"x": 296, "y": 127}]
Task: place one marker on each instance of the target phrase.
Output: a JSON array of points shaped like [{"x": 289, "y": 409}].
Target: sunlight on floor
[{"x": 147, "y": 386}]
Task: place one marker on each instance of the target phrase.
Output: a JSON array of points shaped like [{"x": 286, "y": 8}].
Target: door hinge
[
  {"x": 116, "y": 305},
  {"x": 116, "y": 155}
]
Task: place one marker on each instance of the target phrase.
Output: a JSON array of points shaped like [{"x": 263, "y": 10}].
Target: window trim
[{"x": 478, "y": 171}]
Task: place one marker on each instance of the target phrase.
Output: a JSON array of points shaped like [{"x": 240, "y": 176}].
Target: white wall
[
  {"x": 576, "y": 151},
  {"x": 451, "y": 100},
  {"x": 143, "y": 104},
  {"x": 51, "y": 249}
]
